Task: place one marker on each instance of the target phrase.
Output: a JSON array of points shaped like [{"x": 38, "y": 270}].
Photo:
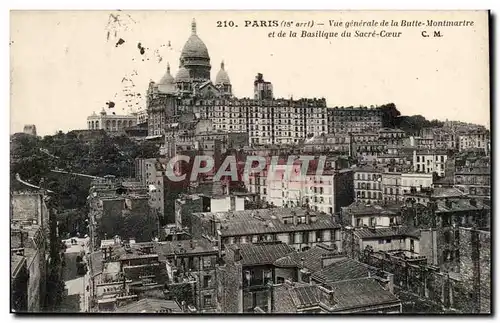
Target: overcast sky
[{"x": 64, "y": 66}]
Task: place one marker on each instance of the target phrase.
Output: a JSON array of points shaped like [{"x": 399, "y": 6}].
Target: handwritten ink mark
[{"x": 119, "y": 42}]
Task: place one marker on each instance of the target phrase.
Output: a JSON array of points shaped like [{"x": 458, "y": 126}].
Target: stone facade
[{"x": 475, "y": 268}]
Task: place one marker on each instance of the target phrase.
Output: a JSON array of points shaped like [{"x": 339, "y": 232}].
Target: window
[
  {"x": 305, "y": 238},
  {"x": 206, "y": 281},
  {"x": 359, "y": 222},
  {"x": 388, "y": 241},
  {"x": 207, "y": 300},
  {"x": 207, "y": 262},
  {"x": 319, "y": 237},
  {"x": 381, "y": 242}
]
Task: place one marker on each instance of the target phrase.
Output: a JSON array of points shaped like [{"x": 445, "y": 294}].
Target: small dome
[
  {"x": 167, "y": 82},
  {"x": 167, "y": 78},
  {"x": 182, "y": 75},
  {"x": 222, "y": 77},
  {"x": 194, "y": 47}
]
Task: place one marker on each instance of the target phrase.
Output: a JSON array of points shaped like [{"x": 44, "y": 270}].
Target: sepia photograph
[{"x": 250, "y": 162}]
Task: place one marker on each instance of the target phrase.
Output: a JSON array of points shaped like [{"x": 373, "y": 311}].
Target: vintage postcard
[{"x": 277, "y": 162}]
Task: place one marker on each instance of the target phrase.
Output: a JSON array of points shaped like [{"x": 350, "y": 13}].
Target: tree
[
  {"x": 56, "y": 288},
  {"x": 389, "y": 115},
  {"x": 147, "y": 149}
]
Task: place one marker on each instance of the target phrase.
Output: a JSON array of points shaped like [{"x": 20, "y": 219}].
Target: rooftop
[
  {"x": 235, "y": 223},
  {"x": 463, "y": 204},
  {"x": 312, "y": 258},
  {"x": 151, "y": 305},
  {"x": 424, "y": 151},
  {"x": 367, "y": 233},
  {"x": 342, "y": 269},
  {"x": 368, "y": 168},
  {"x": 439, "y": 192},
  {"x": 296, "y": 296},
  {"x": 360, "y": 293},
  {"x": 185, "y": 247},
  {"x": 261, "y": 254},
  {"x": 361, "y": 208}
]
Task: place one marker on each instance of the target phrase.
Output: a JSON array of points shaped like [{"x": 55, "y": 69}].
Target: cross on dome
[{"x": 193, "y": 27}]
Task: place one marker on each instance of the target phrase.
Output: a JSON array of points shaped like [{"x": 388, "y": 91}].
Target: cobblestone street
[{"x": 73, "y": 300}]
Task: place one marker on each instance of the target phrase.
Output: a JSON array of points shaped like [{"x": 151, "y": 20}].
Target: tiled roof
[
  {"x": 171, "y": 248},
  {"x": 151, "y": 305},
  {"x": 386, "y": 232},
  {"x": 463, "y": 204},
  {"x": 283, "y": 302},
  {"x": 446, "y": 192},
  {"x": 342, "y": 269},
  {"x": 368, "y": 168},
  {"x": 235, "y": 223},
  {"x": 305, "y": 296},
  {"x": 361, "y": 208},
  {"x": 312, "y": 259},
  {"x": 359, "y": 293},
  {"x": 286, "y": 262},
  {"x": 262, "y": 254},
  {"x": 289, "y": 297}
]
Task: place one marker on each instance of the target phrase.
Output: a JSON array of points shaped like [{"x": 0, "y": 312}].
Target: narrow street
[{"x": 73, "y": 300}]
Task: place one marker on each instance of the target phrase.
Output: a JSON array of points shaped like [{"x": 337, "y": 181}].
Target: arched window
[
  {"x": 119, "y": 124},
  {"x": 108, "y": 125},
  {"x": 130, "y": 123},
  {"x": 97, "y": 124},
  {"x": 113, "y": 125},
  {"x": 88, "y": 124}
]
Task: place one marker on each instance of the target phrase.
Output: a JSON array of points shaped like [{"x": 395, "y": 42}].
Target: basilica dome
[
  {"x": 222, "y": 77},
  {"x": 194, "y": 47},
  {"x": 167, "y": 78},
  {"x": 195, "y": 58},
  {"x": 167, "y": 82},
  {"x": 182, "y": 75}
]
